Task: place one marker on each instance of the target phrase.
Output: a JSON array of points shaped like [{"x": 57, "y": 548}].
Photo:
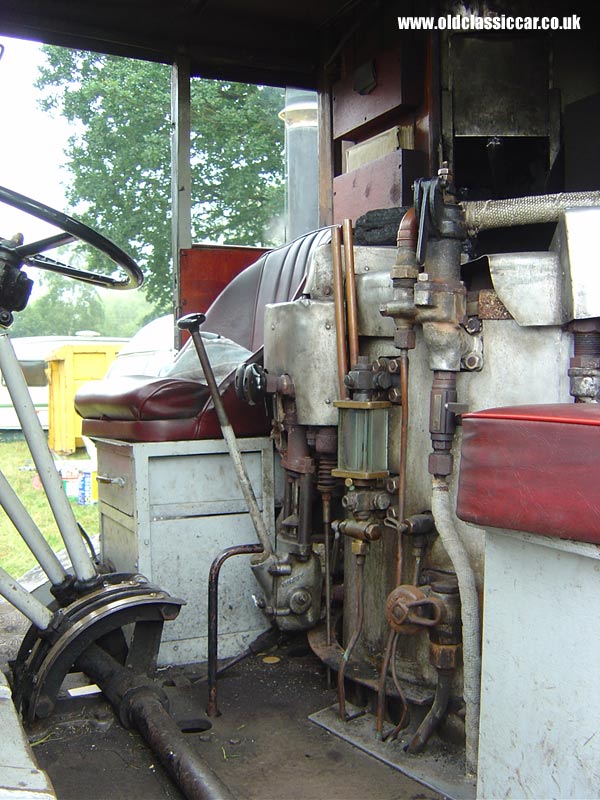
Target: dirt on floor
[{"x": 262, "y": 745}]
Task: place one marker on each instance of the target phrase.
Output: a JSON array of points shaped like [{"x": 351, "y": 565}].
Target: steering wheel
[{"x": 16, "y": 254}]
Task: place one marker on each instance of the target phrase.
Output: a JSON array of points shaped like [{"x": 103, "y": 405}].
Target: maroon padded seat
[
  {"x": 147, "y": 409},
  {"x": 534, "y": 469}
]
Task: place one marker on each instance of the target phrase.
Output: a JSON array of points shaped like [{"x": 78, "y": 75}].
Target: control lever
[{"x": 192, "y": 323}]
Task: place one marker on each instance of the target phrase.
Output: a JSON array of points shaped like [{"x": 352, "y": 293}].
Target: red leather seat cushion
[
  {"x": 141, "y": 398},
  {"x": 246, "y": 420},
  {"x": 533, "y": 469},
  {"x": 171, "y": 409}
]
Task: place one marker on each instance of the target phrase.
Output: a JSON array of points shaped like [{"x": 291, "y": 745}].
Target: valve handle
[
  {"x": 425, "y": 621},
  {"x": 191, "y": 322}
]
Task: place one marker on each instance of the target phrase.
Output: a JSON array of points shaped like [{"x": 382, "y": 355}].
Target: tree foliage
[
  {"x": 119, "y": 156},
  {"x": 65, "y": 307}
]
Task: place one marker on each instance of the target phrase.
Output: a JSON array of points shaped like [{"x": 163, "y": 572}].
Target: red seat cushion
[
  {"x": 246, "y": 420},
  {"x": 533, "y": 469},
  {"x": 172, "y": 409},
  {"x": 139, "y": 397}
]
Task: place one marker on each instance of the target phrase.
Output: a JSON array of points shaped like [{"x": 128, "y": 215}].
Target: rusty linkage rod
[
  {"x": 142, "y": 704},
  {"x": 212, "y": 708},
  {"x": 192, "y": 323}
]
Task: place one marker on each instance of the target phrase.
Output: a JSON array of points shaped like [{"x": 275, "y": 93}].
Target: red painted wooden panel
[
  {"x": 399, "y": 86},
  {"x": 384, "y": 183},
  {"x": 205, "y": 270}
]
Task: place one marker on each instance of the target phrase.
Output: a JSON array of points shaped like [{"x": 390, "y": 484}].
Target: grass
[{"x": 17, "y": 465}]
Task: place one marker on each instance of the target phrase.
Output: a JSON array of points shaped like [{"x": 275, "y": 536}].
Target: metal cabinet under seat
[{"x": 167, "y": 509}]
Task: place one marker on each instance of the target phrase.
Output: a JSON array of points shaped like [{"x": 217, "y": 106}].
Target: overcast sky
[{"x": 31, "y": 142}]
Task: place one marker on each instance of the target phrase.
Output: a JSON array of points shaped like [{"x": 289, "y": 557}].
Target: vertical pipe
[
  {"x": 385, "y": 665},
  {"x": 404, "y": 720},
  {"x": 31, "y": 534},
  {"x": 443, "y": 515},
  {"x": 36, "y": 439},
  {"x": 360, "y": 566},
  {"x": 305, "y": 510},
  {"x": 326, "y": 545},
  {"x": 403, "y": 458},
  {"x": 436, "y": 712},
  {"x": 212, "y": 708},
  {"x": 338, "y": 299},
  {"x": 351, "y": 307},
  {"x": 181, "y": 176},
  {"x": 24, "y": 602}
]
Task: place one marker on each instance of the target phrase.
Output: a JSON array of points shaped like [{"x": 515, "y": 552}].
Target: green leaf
[{"x": 118, "y": 157}]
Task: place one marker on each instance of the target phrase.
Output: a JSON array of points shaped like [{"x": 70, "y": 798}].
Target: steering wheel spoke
[
  {"x": 71, "y": 229},
  {"x": 51, "y": 265},
  {"x": 24, "y": 251}
]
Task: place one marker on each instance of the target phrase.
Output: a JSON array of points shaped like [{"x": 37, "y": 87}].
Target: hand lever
[{"x": 191, "y": 323}]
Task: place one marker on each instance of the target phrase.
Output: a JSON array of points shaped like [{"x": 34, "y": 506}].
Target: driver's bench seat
[{"x": 148, "y": 409}]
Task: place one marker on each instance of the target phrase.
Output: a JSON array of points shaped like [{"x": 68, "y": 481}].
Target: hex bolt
[
  {"x": 395, "y": 395},
  {"x": 473, "y": 325},
  {"x": 473, "y": 361},
  {"x": 382, "y": 501},
  {"x": 391, "y": 485}
]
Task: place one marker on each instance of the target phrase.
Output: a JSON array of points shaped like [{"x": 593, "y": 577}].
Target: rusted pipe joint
[
  {"x": 445, "y": 656},
  {"x": 361, "y": 530}
]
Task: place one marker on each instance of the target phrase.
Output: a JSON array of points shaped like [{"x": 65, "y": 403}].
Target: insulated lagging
[
  {"x": 446, "y": 528},
  {"x": 481, "y": 215}
]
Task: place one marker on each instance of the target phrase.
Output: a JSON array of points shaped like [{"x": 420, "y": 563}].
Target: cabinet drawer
[
  {"x": 116, "y": 483},
  {"x": 199, "y": 484}
]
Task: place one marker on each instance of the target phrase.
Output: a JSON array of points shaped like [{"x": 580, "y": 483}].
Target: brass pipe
[
  {"x": 351, "y": 305},
  {"x": 338, "y": 299}
]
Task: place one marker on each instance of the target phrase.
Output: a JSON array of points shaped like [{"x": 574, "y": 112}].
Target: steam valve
[{"x": 406, "y": 608}]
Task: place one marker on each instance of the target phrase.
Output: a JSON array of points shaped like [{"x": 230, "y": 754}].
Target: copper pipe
[
  {"x": 390, "y": 658},
  {"x": 407, "y": 231},
  {"x": 212, "y": 708},
  {"x": 403, "y": 458},
  {"x": 382, "y": 681},
  {"x": 360, "y": 565},
  {"x": 351, "y": 306},
  {"x": 404, "y": 717},
  {"x": 338, "y": 299}
]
